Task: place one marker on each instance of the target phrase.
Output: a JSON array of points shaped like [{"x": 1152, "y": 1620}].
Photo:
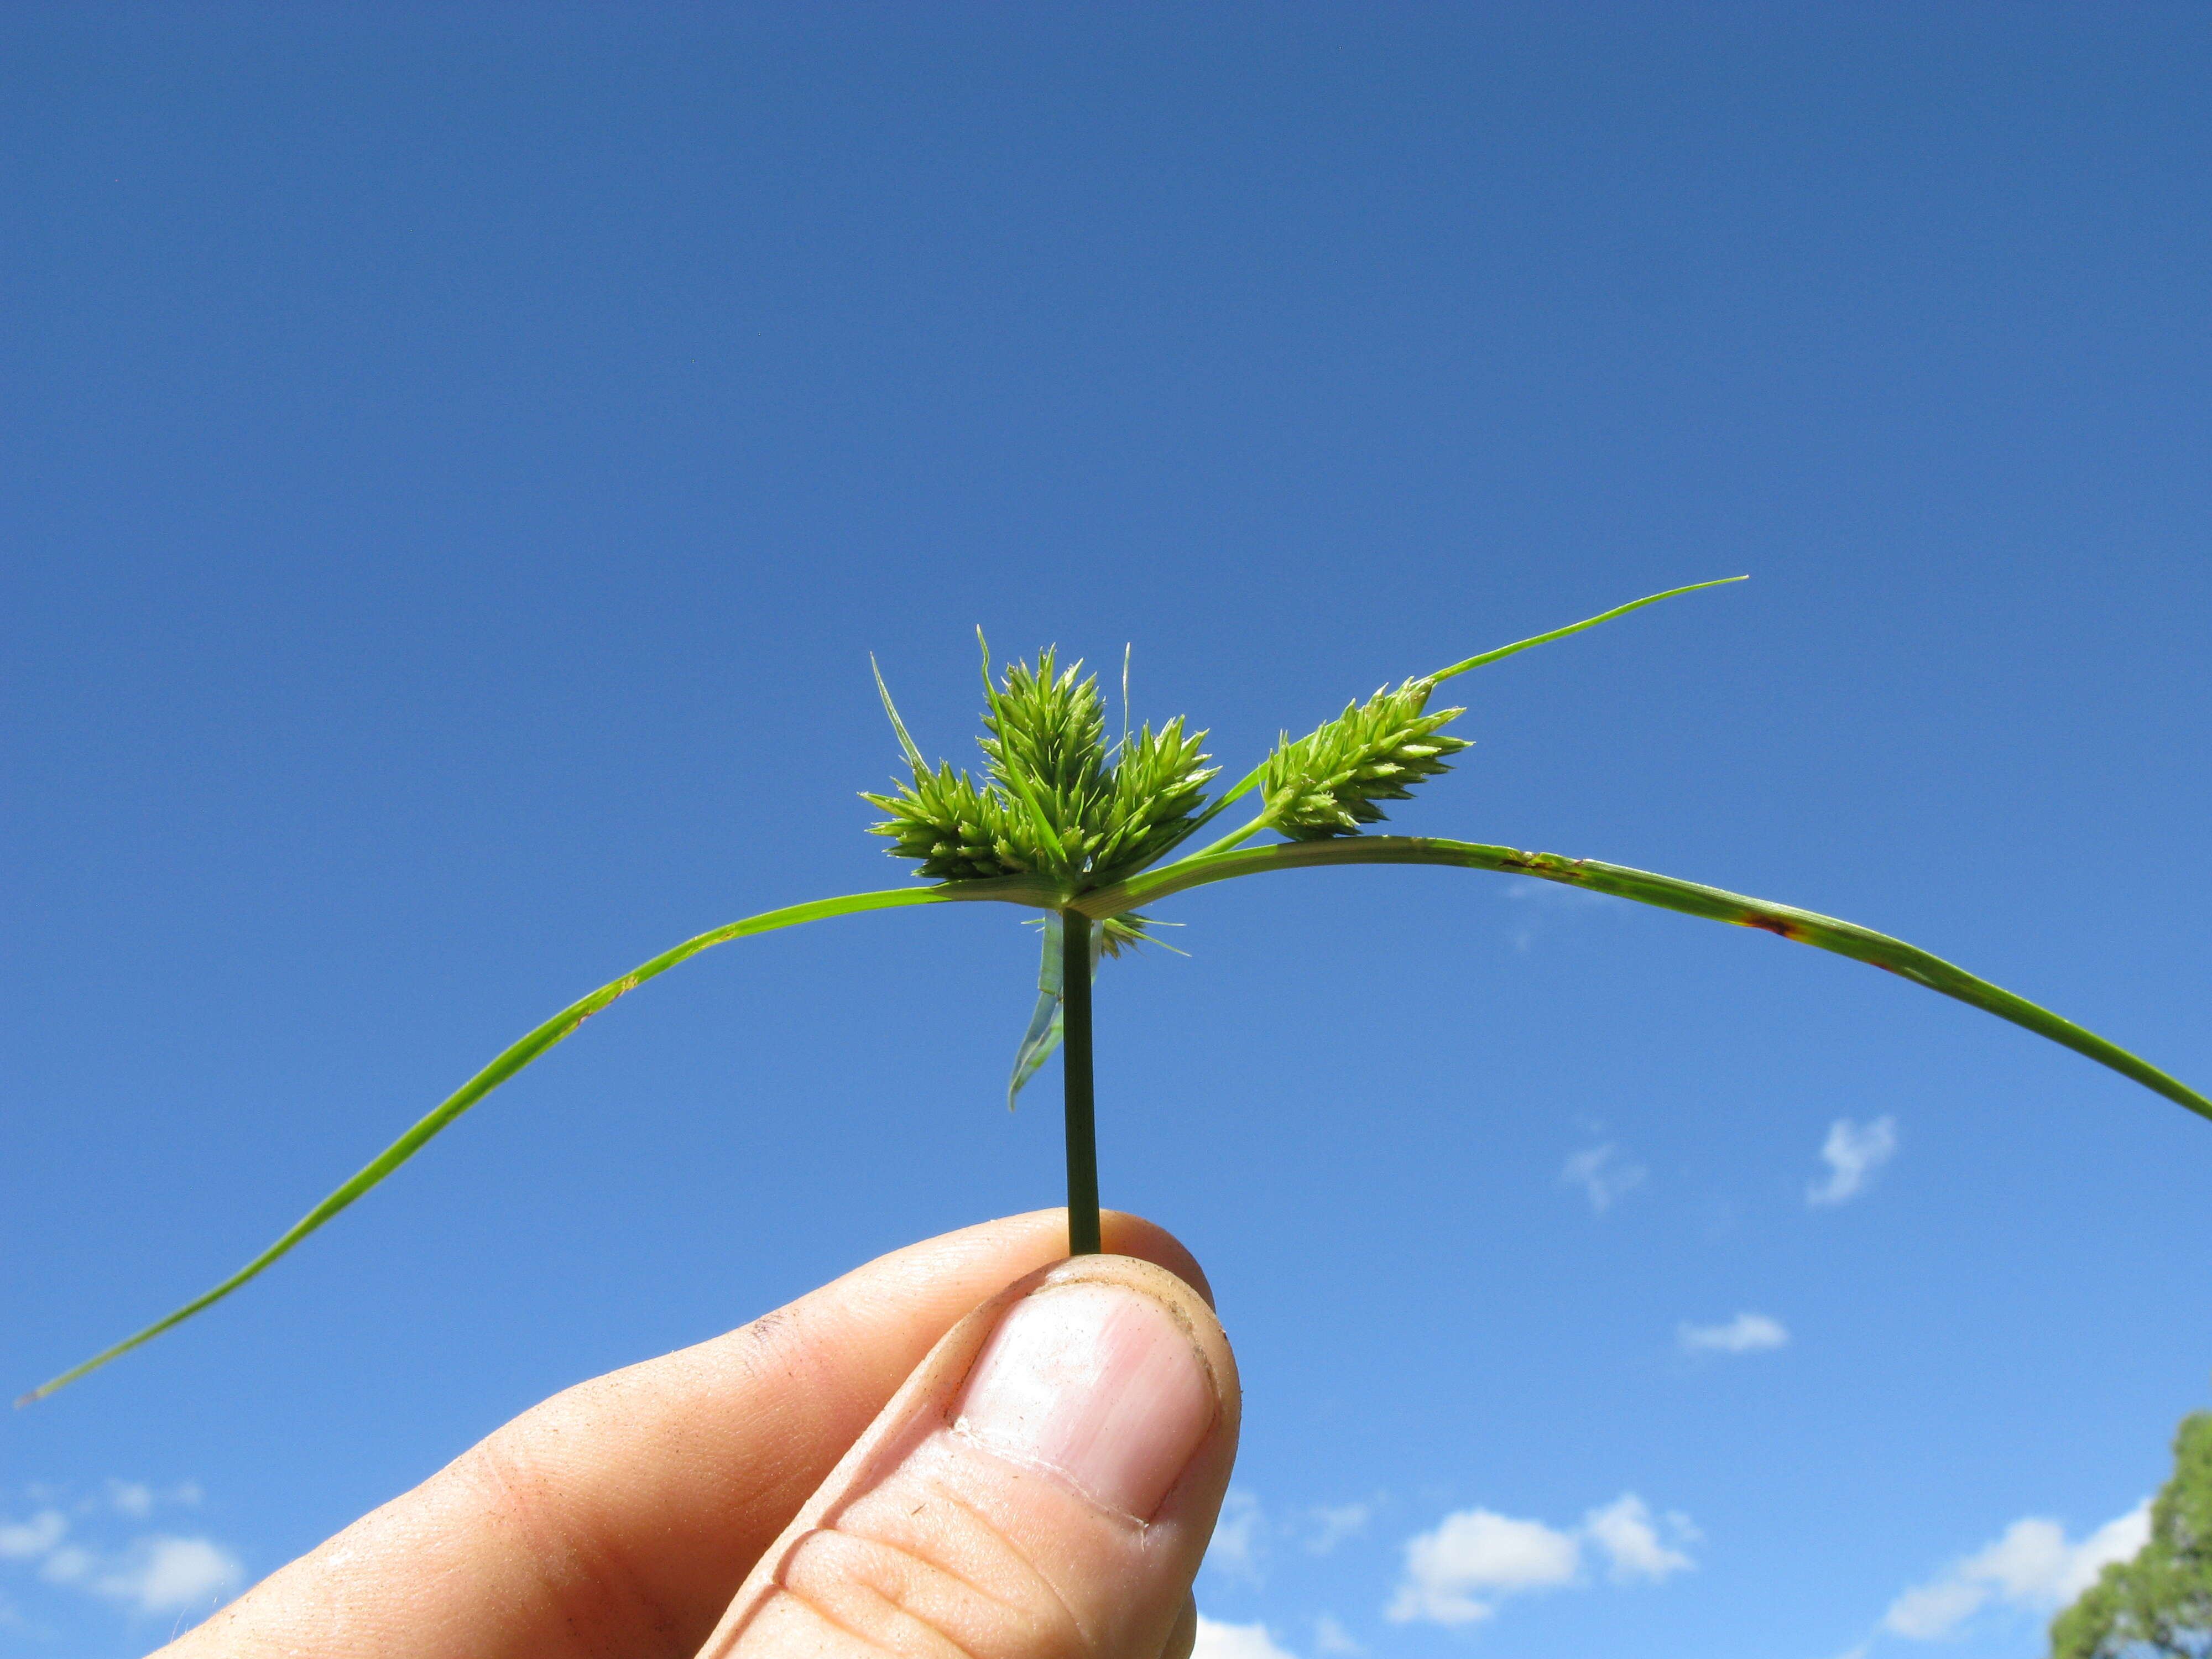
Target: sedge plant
[{"x": 1087, "y": 832}]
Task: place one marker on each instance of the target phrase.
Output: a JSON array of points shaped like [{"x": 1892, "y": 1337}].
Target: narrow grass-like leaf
[
  {"x": 1049, "y": 1018},
  {"x": 1128, "y": 650},
  {"x": 1576, "y": 628},
  {"x": 905, "y": 743},
  {"x": 1043, "y": 1034},
  {"x": 529, "y": 1047},
  {"x": 1251, "y": 780},
  {"x": 1692, "y": 898}
]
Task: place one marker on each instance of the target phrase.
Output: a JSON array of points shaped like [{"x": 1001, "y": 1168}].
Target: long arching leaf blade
[
  {"x": 1575, "y": 628},
  {"x": 1805, "y": 927},
  {"x": 530, "y": 1048},
  {"x": 1250, "y": 781}
]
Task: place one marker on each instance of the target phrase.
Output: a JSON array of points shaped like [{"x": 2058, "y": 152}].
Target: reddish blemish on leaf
[{"x": 1772, "y": 924}]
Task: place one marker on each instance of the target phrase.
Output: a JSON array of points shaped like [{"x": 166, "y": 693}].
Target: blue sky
[{"x": 462, "y": 457}]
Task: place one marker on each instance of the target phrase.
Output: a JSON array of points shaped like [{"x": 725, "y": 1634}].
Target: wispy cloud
[
  {"x": 1218, "y": 1641},
  {"x": 1329, "y": 1637},
  {"x": 1852, "y": 1152},
  {"x": 171, "y": 1575},
  {"x": 26, "y": 1540},
  {"x": 1239, "y": 1545},
  {"x": 132, "y": 1498},
  {"x": 1604, "y": 1173},
  {"x": 1458, "y": 1573},
  {"x": 2031, "y": 1566},
  {"x": 1558, "y": 895},
  {"x": 1748, "y": 1333},
  {"x": 1542, "y": 902},
  {"x": 1332, "y": 1523},
  {"x": 152, "y": 1573},
  {"x": 1623, "y": 1530},
  {"x": 1248, "y": 1531},
  {"x": 68, "y": 1564}
]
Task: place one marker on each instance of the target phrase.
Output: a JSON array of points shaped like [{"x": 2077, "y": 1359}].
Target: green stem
[
  {"x": 1083, "y": 1226},
  {"x": 1234, "y": 840}
]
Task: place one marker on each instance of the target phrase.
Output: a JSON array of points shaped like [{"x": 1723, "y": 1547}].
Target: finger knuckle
[
  {"x": 553, "y": 1558},
  {"x": 917, "y": 1573}
]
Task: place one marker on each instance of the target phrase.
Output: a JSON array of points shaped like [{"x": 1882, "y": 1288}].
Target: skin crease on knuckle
[
  {"x": 579, "y": 1574},
  {"x": 927, "y": 1565},
  {"x": 887, "y": 1590},
  {"x": 955, "y": 1555},
  {"x": 930, "y": 1544}
]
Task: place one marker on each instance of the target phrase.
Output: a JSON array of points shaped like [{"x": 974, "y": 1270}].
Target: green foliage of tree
[{"x": 2160, "y": 1603}]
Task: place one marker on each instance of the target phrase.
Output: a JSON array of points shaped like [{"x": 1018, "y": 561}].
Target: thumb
[{"x": 1042, "y": 1487}]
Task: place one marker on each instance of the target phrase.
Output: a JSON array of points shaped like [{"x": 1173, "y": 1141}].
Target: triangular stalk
[{"x": 1082, "y": 1223}]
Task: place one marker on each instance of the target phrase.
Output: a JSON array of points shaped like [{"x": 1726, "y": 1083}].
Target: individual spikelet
[{"x": 1326, "y": 784}]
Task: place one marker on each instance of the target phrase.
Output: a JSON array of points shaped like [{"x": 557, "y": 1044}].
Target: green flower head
[{"x": 1057, "y": 802}]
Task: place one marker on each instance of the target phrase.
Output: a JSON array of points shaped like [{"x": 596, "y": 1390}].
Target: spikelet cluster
[
  {"x": 1326, "y": 784},
  {"x": 955, "y": 829},
  {"x": 1056, "y": 803}
]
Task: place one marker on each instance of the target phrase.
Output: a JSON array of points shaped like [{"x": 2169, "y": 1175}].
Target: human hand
[{"x": 966, "y": 1448}]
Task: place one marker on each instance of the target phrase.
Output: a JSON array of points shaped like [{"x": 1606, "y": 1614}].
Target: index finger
[{"x": 621, "y": 1516}]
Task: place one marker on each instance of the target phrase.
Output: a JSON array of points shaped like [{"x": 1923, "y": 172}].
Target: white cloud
[
  {"x": 1928, "y": 1611},
  {"x": 1547, "y": 900},
  {"x": 1243, "y": 1534},
  {"x": 1852, "y": 1153},
  {"x": 1559, "y": 895},
  {"x": 171, "y": 1575},
  {"x": 26, "y": 1540},
  {"x": 1604, "y": 1174},
  {"x": 1624, "y": 1531},
  {"x": 1334, "y": 1523},
  {"x": 154, "y": 1573},
  {"x": 1479, "y": 1549},
  {"x": 70, "y": 1565},
  {"x": 1238, "y": 1544},
  {"x": 1329, "y": 1637},
  {"x": 1474, "y": 1558},
  {"x": 2120, "y": 1538},
  {"x": 1218, "y": 1641},
  {"x": 1748, "y": 1333},
  {"x": 131, "y": 1498},
  {"x": 2031, "y": 1566}
]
